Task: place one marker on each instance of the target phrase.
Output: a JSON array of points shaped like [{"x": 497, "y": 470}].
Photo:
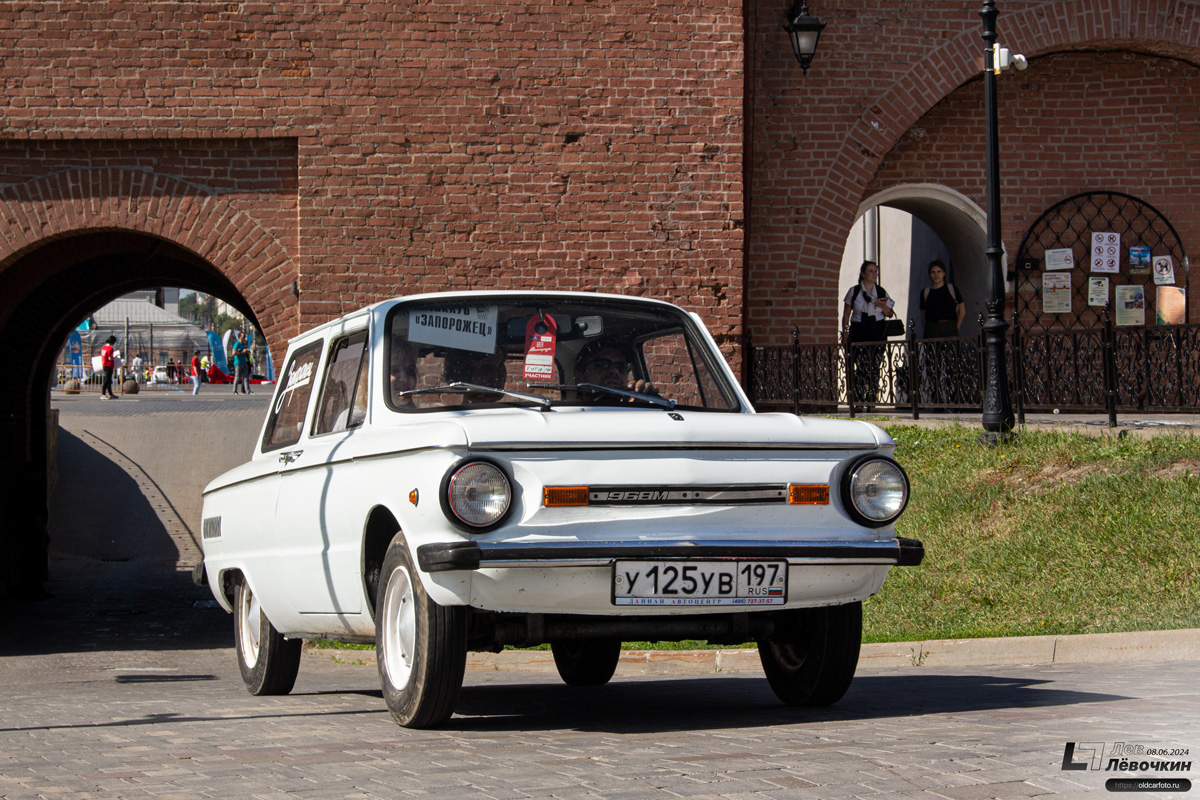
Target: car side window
[
  {"x": 338, "y": 389},
  {"x": 358, "y": 411},
  {"x": 290, "y": 404}
]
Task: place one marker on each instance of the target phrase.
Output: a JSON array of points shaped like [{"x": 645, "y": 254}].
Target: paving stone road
[
  {"x": 177, "y": 723},
  {"x": 122, "y": 685}
]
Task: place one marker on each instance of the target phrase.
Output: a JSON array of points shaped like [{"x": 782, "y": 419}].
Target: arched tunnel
[{"x": 44, "y": 293}]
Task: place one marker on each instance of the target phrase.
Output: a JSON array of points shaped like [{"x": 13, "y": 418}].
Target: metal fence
[
  {"x": 1105, "y": 369},
  {"x": 83, "y": 379}
]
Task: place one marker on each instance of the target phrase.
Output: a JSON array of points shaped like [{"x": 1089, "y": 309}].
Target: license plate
[{"x": 699, "y": 583}]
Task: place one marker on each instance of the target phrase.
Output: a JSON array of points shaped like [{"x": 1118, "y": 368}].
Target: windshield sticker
[
  {"x": 463, "y": 328},
  {"x": 540, "y": 333},
  {"x": 300, "y": 375}
]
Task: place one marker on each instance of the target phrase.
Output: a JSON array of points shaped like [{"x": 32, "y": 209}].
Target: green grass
[{"x": 1053, "y": 533}]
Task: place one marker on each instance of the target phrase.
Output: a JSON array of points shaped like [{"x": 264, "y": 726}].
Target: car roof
[{"x": 467, "y": 295}]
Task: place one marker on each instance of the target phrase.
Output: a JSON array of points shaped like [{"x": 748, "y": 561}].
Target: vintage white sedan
[{"x": 453, "y": 472}]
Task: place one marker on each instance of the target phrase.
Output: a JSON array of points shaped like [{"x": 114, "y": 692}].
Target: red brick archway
[
  {"x": 819, "y": 141},
  {"x": 73, "y": 239},
  {"x": 196, "y": 219}
]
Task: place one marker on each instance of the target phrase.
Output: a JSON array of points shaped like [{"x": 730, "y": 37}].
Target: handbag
[{"x": 893, "y": 327}]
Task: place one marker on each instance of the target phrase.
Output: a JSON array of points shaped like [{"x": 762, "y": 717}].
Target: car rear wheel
[
  {"x": 421, "y": 647},
  {"x": 268, "y": 662},
  {"x": 811, "y": 656},
  {"x": 586, "y": 662}
]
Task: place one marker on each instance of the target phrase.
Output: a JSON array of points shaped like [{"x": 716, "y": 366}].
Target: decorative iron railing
[{"x": 1105, "y": 369}]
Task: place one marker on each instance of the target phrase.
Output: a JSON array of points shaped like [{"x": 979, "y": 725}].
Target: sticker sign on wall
[
  {"x": 1056, "y": 292},
  {"x": 1106, "y": 251},
  {"x": 1164, "y": 270},
  {"x": 1061, "y": 258}
]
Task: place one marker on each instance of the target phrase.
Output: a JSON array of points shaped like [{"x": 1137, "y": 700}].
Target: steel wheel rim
[
  {"x": 790, "y": 656},
  {"x": 251, "y": 620},
  {"x": 399, "y": 628}
]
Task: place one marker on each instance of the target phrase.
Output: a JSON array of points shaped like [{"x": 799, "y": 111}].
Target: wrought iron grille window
[{"x": 1068, "y": 225}]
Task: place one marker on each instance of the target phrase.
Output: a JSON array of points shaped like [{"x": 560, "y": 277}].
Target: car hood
[{"x": 624, "y": 428}]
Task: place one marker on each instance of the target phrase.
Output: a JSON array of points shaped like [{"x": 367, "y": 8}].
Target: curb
[{"x": 1089, "y": 648}]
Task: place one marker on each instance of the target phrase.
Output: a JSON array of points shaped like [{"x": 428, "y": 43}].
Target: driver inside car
[{"x": 610, "y": 363}]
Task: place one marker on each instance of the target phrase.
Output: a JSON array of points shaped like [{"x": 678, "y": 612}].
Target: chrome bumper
[{"x": 451, "y": 556}]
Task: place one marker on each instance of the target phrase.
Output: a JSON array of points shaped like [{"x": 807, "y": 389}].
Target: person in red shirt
[
  {"x": 196, "y": 373},
  {"x": 107, "y": 363}
]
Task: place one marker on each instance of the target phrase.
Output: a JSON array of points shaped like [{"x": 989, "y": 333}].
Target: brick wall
[
  {"x": 1073, "y": 122},
  {"x": 894, "y": 96},
  {"x": 574, "y": 145}
]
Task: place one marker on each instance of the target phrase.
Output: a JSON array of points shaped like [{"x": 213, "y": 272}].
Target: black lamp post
[
  {"x": 997, "y": 407},
  {"x": 804, "y": 30}
]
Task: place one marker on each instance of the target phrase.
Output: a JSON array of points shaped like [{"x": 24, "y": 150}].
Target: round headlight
[
  {"x": 478, "y": 493},
  {"x": 877, "y": 491}
]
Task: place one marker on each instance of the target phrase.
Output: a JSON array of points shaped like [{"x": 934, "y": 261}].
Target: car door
[{"x": 317, "y": 544}]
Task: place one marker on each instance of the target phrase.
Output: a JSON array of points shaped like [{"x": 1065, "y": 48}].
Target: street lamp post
[{"x": 997, "y": 407}]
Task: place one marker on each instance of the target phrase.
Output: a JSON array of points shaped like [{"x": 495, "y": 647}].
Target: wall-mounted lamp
[{"x": 804, "y": 30}]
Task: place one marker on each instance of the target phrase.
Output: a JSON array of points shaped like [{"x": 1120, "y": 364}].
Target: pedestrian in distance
[
  {"x": 942, "y": 313},
  {"x": 867, "y": 309},
  {"x": 196, "y": 370},
  {"x": 241, "y": 363},
  {"x": 108, "y": 364},
  {"x": 942, "y": 306}
]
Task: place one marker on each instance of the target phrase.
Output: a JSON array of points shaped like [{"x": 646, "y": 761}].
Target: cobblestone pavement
[
  {"x": 178, "y": 724},
  {"x": 122, "y": 685}
]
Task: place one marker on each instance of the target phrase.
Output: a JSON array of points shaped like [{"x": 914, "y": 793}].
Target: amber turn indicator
[
  {"x": 565, "y": 496},
  {"x": 808, "y": 494}
]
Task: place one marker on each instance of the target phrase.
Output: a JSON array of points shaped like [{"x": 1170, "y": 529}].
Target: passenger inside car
[{"x": 402, "y": 370}]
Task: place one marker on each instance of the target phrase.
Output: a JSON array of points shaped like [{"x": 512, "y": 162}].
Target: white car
[{"x": 453, "y": 472}]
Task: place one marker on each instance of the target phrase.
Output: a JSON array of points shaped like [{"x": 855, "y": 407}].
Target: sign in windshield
[{"x": 566, "y": 351}]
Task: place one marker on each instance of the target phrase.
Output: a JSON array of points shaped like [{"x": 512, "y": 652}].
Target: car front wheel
[
  {"x": 811, "y": 656},
  {"x": 586, "y": 662},
  {"x": 268, "y": 662},
  {"x": 421, "y": 647}
]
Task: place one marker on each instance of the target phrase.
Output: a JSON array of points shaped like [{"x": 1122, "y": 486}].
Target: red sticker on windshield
[{"x": 540, "y": 334}]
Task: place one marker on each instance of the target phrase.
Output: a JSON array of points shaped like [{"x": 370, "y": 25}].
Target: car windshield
[{"x": 550, "y": 351}]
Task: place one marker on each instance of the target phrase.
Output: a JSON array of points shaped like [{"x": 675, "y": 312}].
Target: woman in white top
[{"x": 866, "y": 311}]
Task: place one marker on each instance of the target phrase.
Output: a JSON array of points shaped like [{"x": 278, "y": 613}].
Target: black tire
[
  {"x": 811, "y": 656},
  {"x": 586, "y": 662},
  {"x": 421, "y": 647},
  {"x": 269, "y": 663}
]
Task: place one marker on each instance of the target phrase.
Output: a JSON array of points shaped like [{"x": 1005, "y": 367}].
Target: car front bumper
[{"x": 457, "y": 556}]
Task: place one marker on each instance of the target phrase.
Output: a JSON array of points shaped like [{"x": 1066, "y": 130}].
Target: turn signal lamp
[
  {"x": 554, "y": 496},
  {"x": 808, "y": 494}
]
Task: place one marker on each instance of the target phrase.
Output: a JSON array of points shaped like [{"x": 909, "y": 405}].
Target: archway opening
[
  {"x": 44, "y": 293},
  {"x": 906, "y": 227}
]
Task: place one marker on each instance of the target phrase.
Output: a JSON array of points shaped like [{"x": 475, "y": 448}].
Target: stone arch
[
  {"x": 74, "y": 239},
  {"x": 961, "y": 225},
  {"x": 1158, "y": 29},
  {"x": 202, "y": 222}
]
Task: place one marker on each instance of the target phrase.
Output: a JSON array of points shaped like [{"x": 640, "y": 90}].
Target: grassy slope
[{"x": 1055, "y": 533}]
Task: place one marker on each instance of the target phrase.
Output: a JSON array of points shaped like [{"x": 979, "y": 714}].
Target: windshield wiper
[
  {"x": 595, "y": 388},
  {"x": 459, "y": 387}
]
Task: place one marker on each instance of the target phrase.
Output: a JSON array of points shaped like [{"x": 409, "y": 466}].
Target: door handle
[{"x": 289, "y": 456}]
